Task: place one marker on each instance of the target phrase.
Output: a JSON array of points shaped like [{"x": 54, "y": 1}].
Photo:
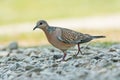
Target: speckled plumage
[
  {"x": 73, "y": 37},
  {"x": 63, "y": 38}
]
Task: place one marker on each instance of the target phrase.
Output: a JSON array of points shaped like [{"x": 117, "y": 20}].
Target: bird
[{"x": 63, "y": 38}]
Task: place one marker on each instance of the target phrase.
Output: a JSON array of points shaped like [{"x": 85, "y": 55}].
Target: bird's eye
[{"x": 40, "y": 23}]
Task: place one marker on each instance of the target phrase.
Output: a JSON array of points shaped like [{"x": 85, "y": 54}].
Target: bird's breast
[{"x": 52, "y": 38}]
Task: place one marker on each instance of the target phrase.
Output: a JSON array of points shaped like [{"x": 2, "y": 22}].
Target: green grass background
[
  {"x": 15, "y": 11},
  {"x": 19, "y": 11}
]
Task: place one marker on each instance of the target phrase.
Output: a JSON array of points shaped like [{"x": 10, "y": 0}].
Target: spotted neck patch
[{"x": 51, "y": 29}]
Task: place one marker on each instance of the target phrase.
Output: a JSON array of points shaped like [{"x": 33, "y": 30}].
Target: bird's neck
[
  {"x": 47, "y": 33},
  {"x": 46, "y": 30},
  {"x": 49, "y": 30}
]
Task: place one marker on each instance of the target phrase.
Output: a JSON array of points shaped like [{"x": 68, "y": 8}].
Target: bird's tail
[{"x": 94, "y": 37}]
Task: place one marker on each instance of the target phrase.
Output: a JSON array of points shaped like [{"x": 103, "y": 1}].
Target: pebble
[
  {"x": 57, "y": 56},
  {"x": 41, "y": 63},
  {"x": 13, "y": 45}
]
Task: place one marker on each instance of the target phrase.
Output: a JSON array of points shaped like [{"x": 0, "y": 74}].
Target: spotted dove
[{"x": 63, "y": 38}]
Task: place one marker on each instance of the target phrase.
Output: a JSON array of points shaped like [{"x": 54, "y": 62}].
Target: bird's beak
[{"x": 35, "y": 27}]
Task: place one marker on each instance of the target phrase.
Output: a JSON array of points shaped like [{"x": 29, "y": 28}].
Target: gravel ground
[{"x": 97, "y": 63}]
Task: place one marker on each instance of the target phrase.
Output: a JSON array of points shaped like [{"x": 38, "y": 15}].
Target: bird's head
[{"x": 41, "y": 24}]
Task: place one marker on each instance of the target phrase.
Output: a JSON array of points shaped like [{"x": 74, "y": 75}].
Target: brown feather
[{"x": 72, "y": 37}]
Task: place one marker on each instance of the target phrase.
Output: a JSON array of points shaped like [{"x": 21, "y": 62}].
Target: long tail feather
[{"x": 98, "y": 36}]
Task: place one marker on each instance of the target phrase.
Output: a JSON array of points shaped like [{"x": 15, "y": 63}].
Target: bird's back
[{"x": 73, "y": 37}]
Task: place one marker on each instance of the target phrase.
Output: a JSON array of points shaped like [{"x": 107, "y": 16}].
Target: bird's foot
[
  {"x": 75, "y": 56},
  {"x": 65, "y": 59},
  {"x": 62, "y": 60},
  {"x": 78, "y": 53}
]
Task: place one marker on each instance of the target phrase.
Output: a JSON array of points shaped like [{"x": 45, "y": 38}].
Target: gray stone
[
  {"x": 57, "y": 56},
  {"x": 38, "y": 63},
  {"x": 13, "y": 45}
]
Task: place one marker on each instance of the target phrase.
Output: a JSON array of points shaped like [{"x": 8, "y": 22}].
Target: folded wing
[{"x": 73, "y": 37}]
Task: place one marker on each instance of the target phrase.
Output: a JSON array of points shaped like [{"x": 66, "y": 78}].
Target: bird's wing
[{"x": 71, "y": 37}]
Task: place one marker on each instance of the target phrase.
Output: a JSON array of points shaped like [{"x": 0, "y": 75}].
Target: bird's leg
[
  {"x": 79, "y": 50},
  {"x": 63, "y": 59}
]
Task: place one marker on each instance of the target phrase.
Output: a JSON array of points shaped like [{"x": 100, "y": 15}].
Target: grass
[
  {"x": 38, "y": 38},
  {"x": 25, "y": 39},
  {"x": 15, "y": 11},
  {"x": 103, "y": 44},
  {"x": 18, "y": 11}
]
